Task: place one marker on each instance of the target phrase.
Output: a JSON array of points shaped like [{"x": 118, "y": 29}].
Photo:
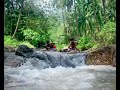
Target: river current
[{"x": 83, "y": 77}]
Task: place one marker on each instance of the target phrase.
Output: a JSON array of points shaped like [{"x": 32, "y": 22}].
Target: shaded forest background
[{"x": 91, "y": 22}]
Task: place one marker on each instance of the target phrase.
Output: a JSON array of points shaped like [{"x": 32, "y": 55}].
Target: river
[{"x": 60, "y": 77}]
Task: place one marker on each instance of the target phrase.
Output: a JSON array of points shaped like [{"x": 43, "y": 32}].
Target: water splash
[
  {"x": 59, "y": 71},
  {"x": 54, "y": 59},
  {"x": 61, "y": 78}
]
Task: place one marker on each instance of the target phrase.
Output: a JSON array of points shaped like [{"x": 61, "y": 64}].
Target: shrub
[
  {"x": 60, "y": 46},
  {"x": 107, "y": 35},
  {"x": 85, "y": 42},
  {"x": 34, "y": 37}
]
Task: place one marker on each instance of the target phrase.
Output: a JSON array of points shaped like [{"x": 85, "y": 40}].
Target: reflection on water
[{"x": 99, "y": 77}]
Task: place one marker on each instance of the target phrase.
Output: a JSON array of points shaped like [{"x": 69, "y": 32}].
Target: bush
[
  {"x": 107, "y": 35},
  {"x": 85, "y": 42},
  {"x": 60, "y": 46},
  {"x": 34, "y": 37}
]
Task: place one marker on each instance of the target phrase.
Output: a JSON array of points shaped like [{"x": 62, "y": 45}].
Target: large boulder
[
  {"x": 24, "y": 51},
  {"x": 102, "y": 56}
]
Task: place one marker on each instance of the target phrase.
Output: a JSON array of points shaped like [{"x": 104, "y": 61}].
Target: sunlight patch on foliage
[{"x": 8, "y": 41}]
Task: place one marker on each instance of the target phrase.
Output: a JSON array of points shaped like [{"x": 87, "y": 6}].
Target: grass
[{"x": 8, "y": 41}]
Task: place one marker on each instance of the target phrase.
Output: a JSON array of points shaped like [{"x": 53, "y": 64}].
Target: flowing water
[{"x": 59, "y": 71}]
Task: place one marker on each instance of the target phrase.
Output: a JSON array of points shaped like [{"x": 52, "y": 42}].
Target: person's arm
[{"x": 69, "y": 45}]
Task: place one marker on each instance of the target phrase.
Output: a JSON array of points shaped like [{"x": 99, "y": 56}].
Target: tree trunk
[
  {"x": 22, "y": 4},
  {"x": 16, "y": 26},
  {"x": 65, "y": 28},
  {"x": 63, "y": 18}
]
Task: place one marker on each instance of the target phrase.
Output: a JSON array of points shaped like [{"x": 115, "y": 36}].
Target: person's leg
[{"x": 69, "y": 49}]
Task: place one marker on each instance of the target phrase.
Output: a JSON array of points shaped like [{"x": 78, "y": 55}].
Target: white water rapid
[{"x": 31, "y": 76}]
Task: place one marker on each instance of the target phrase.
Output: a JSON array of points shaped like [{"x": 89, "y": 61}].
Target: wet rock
[
  {"x": 102, "y": 56},
  {"x": 24, "y": 51},
  {"x": 39, "y": 55},
  {"x": 7, "y": 54},
  {"x": 10, "y": 59}
]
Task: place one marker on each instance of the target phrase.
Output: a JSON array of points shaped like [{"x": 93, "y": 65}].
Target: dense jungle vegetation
[{"x": 91, "y": 22}]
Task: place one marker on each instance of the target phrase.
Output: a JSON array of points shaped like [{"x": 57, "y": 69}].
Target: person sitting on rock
[
  {"x": 72, "y": 45},
  {"x": 48, "y": 45},
  {"x": 54, "y": 47}
]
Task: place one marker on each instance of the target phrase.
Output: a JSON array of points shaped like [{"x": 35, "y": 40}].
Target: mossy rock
[{"x": 9, "y": 49}]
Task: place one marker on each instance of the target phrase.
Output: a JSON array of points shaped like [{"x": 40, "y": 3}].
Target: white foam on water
[{"x": 28, "y": 77}]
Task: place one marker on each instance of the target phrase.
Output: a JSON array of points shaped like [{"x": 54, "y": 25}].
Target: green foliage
[
  {"x": 10, "y": 24},
  {"x": 30, "y": 17},
  {"x": 107, "y": 35},
  {"x": 104, "y": 37},
  {"x": 85, "y": 42},
  {"x": 34, "y": 37},
  {"x": 60, "y": 46},
  {"x": 87, "y": 16},
  {"x": 85, "y": 23},
  {"x": 8, "y": 41}
]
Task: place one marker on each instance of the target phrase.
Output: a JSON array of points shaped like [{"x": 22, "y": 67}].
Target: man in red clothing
[
  {"x": 50, "y": 46},
  {"x": 72, "y": 45}
]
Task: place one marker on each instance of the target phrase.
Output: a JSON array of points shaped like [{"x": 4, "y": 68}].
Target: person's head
[
  {"x": 53, "y": 43},
  {"x": 48, "y": 41},
  {"x": 72, "y": 39}
]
